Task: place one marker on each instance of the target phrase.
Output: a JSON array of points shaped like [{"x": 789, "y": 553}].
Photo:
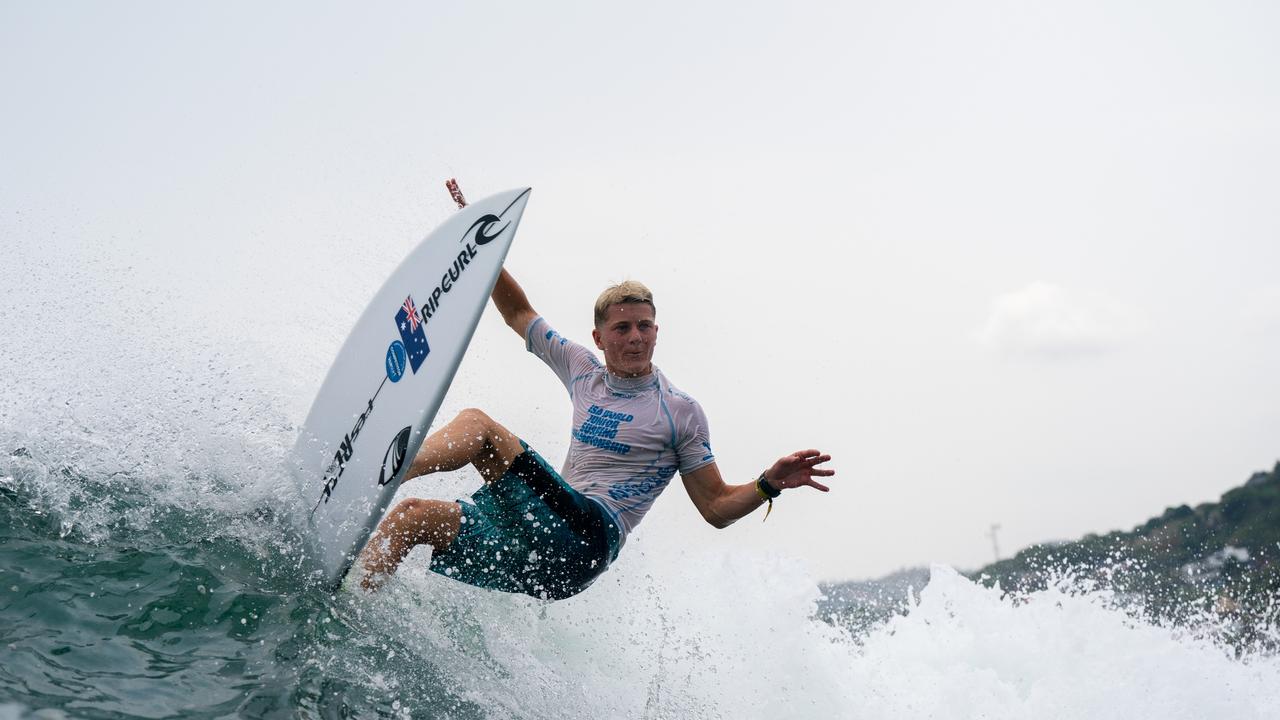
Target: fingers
[
  {"x": 805, "y": 477},
  {"x": 800, "y": 468},
  {"x": 818, "y": 472},
  {"x": 804, "y": 460}
]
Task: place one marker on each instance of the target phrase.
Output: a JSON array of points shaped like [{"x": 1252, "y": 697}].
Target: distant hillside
[{"x": 1223, "y": 556}]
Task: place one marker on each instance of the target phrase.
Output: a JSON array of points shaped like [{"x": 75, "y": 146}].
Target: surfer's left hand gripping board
[{"x": 379, "y": 398}]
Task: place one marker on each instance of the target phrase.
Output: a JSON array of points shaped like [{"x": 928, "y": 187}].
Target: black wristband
[{"x": 766, "y": 488}]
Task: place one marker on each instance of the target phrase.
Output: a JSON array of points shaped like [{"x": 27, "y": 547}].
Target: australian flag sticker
[{"x": 411, "y": 333}]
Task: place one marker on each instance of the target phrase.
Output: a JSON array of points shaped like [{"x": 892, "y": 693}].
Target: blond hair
[{"x": 627, "y": 291}]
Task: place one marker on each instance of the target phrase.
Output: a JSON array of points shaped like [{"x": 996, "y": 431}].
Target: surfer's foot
[
  {"x": 368, "y": 565},
  {"x": 372, "y": 581}
]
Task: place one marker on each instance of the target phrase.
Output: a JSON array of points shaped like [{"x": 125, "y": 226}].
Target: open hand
[{"x": 799, "y": 468}]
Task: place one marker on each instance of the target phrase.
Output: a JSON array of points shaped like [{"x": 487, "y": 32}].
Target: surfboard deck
[{"x": 377, "y": 403}]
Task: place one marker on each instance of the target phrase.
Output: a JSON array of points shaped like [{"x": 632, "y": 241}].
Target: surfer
[{"x": 532, "y": 530}]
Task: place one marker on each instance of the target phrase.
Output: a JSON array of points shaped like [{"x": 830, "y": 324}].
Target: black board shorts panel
[{"x": 530, "y": 532}]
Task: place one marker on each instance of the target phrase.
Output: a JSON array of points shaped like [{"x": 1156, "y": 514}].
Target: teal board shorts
[{"x": 530, "y": 532}]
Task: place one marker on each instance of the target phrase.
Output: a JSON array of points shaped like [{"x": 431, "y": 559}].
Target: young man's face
[{"x": 627, "y": 337}]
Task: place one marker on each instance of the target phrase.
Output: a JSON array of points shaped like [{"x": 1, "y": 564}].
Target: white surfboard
[{"x": 379, "y": 398}]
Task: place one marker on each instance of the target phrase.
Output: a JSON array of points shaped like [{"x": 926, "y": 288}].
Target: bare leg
[
  {"x": 471, "y": 438},
  {"x": 411, "y": 523}
]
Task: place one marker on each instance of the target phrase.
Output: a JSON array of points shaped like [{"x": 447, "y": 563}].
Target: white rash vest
[{"x": 630, "y": 435}]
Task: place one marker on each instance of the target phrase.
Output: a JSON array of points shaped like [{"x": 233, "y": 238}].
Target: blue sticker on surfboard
[{"x": 397, "y": 358}]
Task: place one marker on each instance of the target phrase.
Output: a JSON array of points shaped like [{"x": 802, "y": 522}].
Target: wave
[
  {"x": 151, "y": 607},
  {"x": 152, "y": 565}
]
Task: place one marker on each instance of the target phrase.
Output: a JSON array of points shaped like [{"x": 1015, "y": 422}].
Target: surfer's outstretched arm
[
  {"x": 721, "y": 504},
  {"x": 514, "y": 305}
]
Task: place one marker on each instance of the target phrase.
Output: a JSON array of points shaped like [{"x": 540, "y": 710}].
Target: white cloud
[{"x": 1047, "y": 321}]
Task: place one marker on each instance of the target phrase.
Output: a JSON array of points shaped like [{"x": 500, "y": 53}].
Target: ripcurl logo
[
  {"x": 393, "y": 458},
  {"x": 480, "y": 233},
  {"x": 480, "y": 228}
]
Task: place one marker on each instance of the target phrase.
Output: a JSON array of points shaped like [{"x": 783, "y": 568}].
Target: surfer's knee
[
  {"x": 476, "y": 416},
  {"x": 414, "y": 511},
  {"x": 491, "y": 429},
  {"x": 489, "y": 446},
  {"x": 490, "y": 432},
  {"x": 407, "y": 509}
]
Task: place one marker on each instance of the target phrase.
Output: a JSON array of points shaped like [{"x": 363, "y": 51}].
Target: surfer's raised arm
[{"x": 514, "y": 305}]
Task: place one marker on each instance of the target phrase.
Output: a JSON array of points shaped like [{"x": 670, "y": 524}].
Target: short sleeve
[
  {"x": 567, "y": 359},
  {"x": 693, "y": 438}
]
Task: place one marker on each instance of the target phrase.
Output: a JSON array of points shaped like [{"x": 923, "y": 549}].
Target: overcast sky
[{"x": 1008, "y": 262}]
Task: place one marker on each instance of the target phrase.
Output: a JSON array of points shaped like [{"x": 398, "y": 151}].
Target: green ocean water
[{"x": 194, "y": 615}]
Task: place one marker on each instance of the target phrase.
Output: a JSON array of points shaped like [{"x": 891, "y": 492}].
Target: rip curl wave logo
[
  {"x": 481, "y": 227},
  {"x": 393, "y": 458},
  {"x": 481, "y": 232}
]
